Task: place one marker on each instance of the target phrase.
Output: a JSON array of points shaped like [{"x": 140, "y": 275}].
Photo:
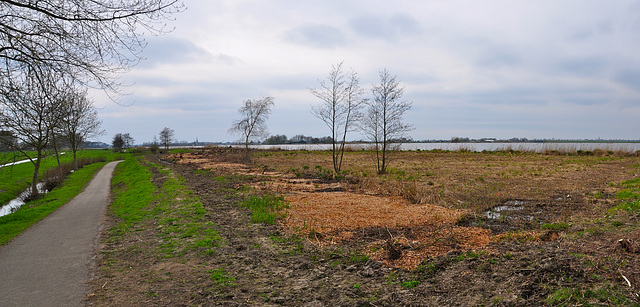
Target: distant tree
[
  {"x": 298, "y": 138},
  {"x": 118, "y": 142},
  {"x": 80, "y": 120},
  {"x": 166, "y": 137},
  {"x": 128, "y": 140},
  {"x": 276, "y": 139},
  {"x": 341, "y": 97},
  {"x": 252, "y": 125},
  {"x": 7, "y": 141},
  {"x": 154, "y": 145},
  {"x": 383, "y": 122}
]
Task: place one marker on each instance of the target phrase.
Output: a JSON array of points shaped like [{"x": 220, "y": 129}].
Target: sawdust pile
[
  {"x": 333, "y": 211},
  {"x": 413, "y": 232}
]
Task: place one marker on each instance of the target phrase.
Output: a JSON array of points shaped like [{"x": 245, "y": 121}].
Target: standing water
[{"x": 17, "y": 202}]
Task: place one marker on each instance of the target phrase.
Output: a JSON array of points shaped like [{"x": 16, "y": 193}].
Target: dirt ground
[{"x": 440, "y": 229}]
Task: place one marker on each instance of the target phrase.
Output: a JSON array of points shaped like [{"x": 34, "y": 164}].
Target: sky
[{"x": 502, "y": 69}]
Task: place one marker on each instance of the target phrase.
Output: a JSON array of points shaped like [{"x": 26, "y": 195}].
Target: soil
[{"x": 422, "y": 235}]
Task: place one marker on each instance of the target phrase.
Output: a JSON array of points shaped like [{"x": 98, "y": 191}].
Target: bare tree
[
  {"x": 127, "y": 141},
  {"x": 252, "y": 125},
  {"x": 118, "y": 142},
  {"x": 383, "y": 123},
  {"x": 27, "y": 111},
  {"x": 166, "y": 137},
  {"x": 91, "y": 41},
  {"x": 79, "y": 121},
  {"x": 341, "y": 97}
]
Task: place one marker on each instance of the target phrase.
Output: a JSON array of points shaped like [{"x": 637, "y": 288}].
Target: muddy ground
[{"x": 441, "y": 229}]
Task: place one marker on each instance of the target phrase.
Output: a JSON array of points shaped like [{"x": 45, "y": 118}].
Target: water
[
  {"x": 477, "y": 147},
  {"x": 15, "y": 163},
  {"x": 17, "y": 202},
  {"x": 502, "y": 212}
]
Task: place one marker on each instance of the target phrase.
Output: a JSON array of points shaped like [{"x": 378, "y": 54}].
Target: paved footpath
[{"x": 48, "y": 265}]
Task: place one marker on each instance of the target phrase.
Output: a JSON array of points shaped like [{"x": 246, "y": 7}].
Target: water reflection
[{"x": 17, "y": 202}]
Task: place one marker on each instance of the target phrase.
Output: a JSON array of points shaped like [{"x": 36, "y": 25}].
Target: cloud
[
  {"x": 591, "y": 66},
  {"x": 498, "y": 57},
  {"x": 167, "y": 49},
  {"x": 629, "y": 78},
  {"x": 316, "y": 36},
  {"x": 385, "y": 28}
]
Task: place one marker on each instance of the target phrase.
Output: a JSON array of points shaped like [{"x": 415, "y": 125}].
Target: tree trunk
[
  {"x": 36, "y": 170},
  {"x": 55, "y": 148},
  {"x": 75, "y": 160}
]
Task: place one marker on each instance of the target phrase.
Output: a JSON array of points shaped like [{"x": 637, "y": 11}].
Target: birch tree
[
  {"x": 340, "y": 109},
  {"x": 383, "y": 121},
  {"x": 166, "y": 137}
]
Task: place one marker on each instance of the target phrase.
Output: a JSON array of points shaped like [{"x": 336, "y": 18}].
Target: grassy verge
[
  {"x": 173, "y": 209},
  {"x": 13, "y": 224}
]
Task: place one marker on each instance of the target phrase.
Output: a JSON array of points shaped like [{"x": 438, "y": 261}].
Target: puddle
[
  {"x": 508, "y": 211},
  {"x": 17, "y": 202}
]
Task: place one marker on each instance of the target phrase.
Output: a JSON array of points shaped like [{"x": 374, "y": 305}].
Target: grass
[
  {"x": 409, "y": 284},
  {"x": 178, "y": 215},
  {"x": 17, "y": 178},
  {"x": 606, "y": 295},
  {"x": 15, "y": 223},
  {"x": 265, "y": 209},
  {"x": 630, "y": 196},
  {"x": 132, "y": 192},
  {"x": 555, "y": 226},
  {"x": 222, "y": 278}
]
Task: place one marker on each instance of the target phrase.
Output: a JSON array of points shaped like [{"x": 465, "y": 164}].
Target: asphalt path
[{"x": 49, "y": 264}]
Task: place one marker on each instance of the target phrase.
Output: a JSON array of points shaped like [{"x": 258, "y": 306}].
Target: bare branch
[
  {"x": 341, "y": 97},
  {"x": 383, "y": 123},
  {"x": 93, "y": 42},
  {"x": 252, "y": 125}
]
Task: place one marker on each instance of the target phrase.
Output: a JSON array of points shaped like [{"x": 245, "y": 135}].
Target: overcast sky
[{"x": 534, "y": 69}]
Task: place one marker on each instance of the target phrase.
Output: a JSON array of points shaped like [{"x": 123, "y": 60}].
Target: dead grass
[
  {"x": 335, "y": 211},
  {"x": 418, "y": 206}
]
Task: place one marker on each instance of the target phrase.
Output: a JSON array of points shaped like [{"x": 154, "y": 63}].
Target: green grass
[
  {"x": 17, "y": 178},
  {"x": 630, "y": 196},
  {"x": 555, "y": 226},
  {"x": 132, "y": 192},
  {"x": 178, "y": 215},
  {"x": 265, "y": 209},
  {"x": 222, "y": 278},
  {"x": 409, "y": 284},
  {"x": 604, "y": 295},
  {"x": 13, "y": 224}
]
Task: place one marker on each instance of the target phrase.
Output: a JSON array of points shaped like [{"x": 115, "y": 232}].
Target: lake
[{"x": 535, "y": 147}]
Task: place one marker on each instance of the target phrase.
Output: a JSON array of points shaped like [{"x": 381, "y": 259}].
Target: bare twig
[{"x": 625, "y": 279}]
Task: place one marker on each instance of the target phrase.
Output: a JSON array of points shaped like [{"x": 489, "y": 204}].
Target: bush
[{"x": 54, "y": 176}]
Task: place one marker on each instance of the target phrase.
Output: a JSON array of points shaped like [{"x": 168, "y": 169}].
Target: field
[{"x": 440, "y": 228}]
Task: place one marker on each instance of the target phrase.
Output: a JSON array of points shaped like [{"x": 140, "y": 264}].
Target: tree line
[{"x": 297, "y": 139}]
